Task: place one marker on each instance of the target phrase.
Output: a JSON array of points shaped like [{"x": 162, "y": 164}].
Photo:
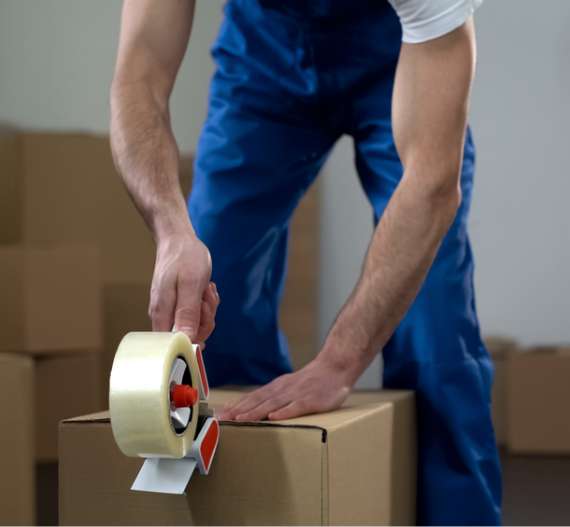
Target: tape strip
[{"x": 168, "y": 476}]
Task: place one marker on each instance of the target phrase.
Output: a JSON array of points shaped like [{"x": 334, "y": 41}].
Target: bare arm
[
  {"x": 429, "y": 118},
  {"x": 154, "y": 37}
]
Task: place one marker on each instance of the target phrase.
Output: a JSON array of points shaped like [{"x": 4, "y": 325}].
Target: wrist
[
  {"x": 350, "y": 345},
  {"x": 171, "y": 220},
  {"x": 343, "y": 357}
]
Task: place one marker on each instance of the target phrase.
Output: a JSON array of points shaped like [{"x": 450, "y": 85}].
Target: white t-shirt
[{"x": 424, "y": 20}]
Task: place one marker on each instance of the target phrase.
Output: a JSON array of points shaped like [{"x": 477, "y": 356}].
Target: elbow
[
  {"x": 439, "y": 185},
  {"x": 445, "y": 189},
  {"x": 140, "y": 88}
]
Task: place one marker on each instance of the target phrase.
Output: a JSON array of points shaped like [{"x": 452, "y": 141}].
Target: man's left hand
[{"x": 320, "y": 386}]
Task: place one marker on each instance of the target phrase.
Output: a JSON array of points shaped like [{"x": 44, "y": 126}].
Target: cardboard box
[
  {"x": 538, "y": 393},
  {"x": 500, "y": 348},
  {"x": 356, "y": 465},
  {"x": 63, "y": 187},
  {"x": 65, "y": 385},
  {"x": 51, "y": 299},
  {"x": 17, "y": 492},
  {"x": 10, "y": 189},
  {"x": 35, "y": 394},
  {"x": 125, "y": 308}
]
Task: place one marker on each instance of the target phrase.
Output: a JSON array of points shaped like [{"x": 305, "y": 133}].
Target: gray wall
[
  {"x": 520, "y": 221},
  {"x": 56, "y": 60}
]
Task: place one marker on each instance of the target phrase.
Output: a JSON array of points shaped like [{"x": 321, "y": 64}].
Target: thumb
[{"x": 188, "y": 308}]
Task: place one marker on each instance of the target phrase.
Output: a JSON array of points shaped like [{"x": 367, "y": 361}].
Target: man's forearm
[
  {"x": 146, "y": 155},
  {"x": 402, "y": 250},
  {"x": 429, "y": 118}
]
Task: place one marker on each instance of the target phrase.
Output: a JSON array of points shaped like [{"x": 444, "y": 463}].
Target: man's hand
[
  {"x": 320, "y": 386},
  {"x": 182, "y": 294}
]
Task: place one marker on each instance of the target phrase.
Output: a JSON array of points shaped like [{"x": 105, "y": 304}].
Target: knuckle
[
  {"x": 189, "y": 278},
  {"x": 186, "y": 312},
  {"x": 282, "y": 381}
]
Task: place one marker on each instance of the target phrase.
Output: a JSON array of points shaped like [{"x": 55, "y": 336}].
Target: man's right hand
[{"x": 182, "y": 294}]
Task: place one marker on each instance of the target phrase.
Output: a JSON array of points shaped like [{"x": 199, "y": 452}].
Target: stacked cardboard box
[
  {"x": 355, "y": 466},
  {"x": 530, "y": 394},
  {"x": 500, "y": 349},
  {"x": 538, "y": 393},
  {"x": 61, "y": 240},
  {"x": 64, "y": 189},
  {"x": 49, "y": 359}
]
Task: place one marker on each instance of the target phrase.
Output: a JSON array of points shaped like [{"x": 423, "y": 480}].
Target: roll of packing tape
[{"x": 144, "y": 421}]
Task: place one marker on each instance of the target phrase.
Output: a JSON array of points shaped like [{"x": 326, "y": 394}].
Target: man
[{"x": 291, "y": 78}]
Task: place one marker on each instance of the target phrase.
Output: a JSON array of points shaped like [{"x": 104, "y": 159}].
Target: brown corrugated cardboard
[
  {"x": 51, "y": 299},
  {"x": 66, "y": 385},
  {"x": 125, "y": 309},
  {"x": 17, "y": 440},
  {"x": 355, "y": 465},
  {"x": 10, "y": 189},
  {"x": 67, "y": 190},
  {"x": 538, "y": 391},
  {"x": 500, "y": 349},
  {"x": 35, "y": 394}
]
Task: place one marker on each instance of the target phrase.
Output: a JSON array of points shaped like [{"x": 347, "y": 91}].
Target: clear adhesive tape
[{"x": 139, "y": 394}]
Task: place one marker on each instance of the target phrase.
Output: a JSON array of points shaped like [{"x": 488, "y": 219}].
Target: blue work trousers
[{"x": 291, "y": 78}]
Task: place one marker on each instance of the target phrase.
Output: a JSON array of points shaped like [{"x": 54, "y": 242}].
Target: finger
[
  {"x": 207, "y": 322},
  {"x": 247, "y": 398},
  {"x": 246, "y": 403},
  {"x": 293, "y": 409},
  {"x": 210, "y": 302},
  {"x": 222, "y": 413},
  {"x": 161, "y": 305},
  {"x": 215, "y": 287},
  {"x": 262, "y": 410},
  {"x": 188, "y": 306},
  {"x": 211, "y": 296}
]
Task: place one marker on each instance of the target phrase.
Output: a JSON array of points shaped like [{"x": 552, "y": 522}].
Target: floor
[
  {"x": 46, "y": 494},
  {"x": 536, "y": 490}
]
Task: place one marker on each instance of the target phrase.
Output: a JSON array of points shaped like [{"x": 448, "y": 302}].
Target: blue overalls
[{"x": 291, "y": 77}]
